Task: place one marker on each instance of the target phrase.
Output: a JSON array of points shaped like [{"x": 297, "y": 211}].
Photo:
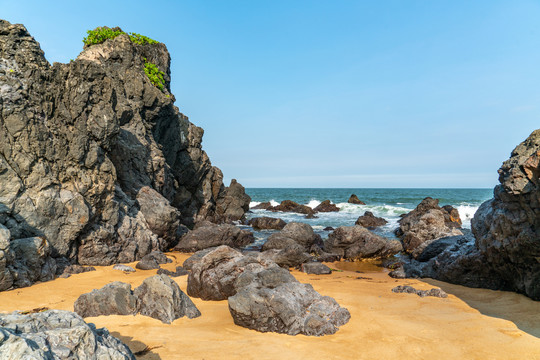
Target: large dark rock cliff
[
  {"x": 94, "y": 159},
  {"x": 505, "y": 250}
]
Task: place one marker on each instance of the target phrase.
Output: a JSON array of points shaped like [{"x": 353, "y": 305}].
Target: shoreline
[{"x": 469, "y": 324}]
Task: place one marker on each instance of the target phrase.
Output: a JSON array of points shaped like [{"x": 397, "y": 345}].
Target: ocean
[{"x": 386, "y": 203}]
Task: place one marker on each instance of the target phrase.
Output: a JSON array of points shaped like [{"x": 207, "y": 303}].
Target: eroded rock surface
[
  {"x": 95, "y": 159},
  {"x": 357, "y": 242},
  {"x": 57, "y": 335},
  {"x": 264, "y": 222},
  {"x": 211, "y": 235},
  {"x": 368, "y": 220}
]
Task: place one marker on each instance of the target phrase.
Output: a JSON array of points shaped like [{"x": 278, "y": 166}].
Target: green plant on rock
[
  {"x": 155, "y": 76},
  {"x": 100, "y": 35},
  {"x": 141, "y": 39}
]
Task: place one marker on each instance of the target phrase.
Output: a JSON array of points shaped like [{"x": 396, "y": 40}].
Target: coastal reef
[{"x": 97, "y": 164}]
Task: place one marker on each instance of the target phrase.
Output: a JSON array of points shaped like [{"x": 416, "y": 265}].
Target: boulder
[
  {"x": 353, "y": 199},
  {"x": 78, "y": 269},
  {"x": 160, "y": 297},
  {"x": 301, "y": 233},
  {"x": 326, "y": 206},
  {"x": 58, "y": 335},
  {"x": 357, "y": 242},
  {"x": 262, "y": 223},
  {"x": 124, "y": 268},
  {"x": 115, "y": 298},
  {"x": 291, "y": 206},
  {"x": 435, "y": 292},
  {"x": 316, "y": 268},
  {"x": 214, "y": 235},
  {"x": 262, "y": 206},
  {"x": 290, "y": 256},
  {"x": 180, "y": 271},
  {"x": 426, "y": 223},
  {"x": 234, "y": 203},
  {"x": 152, "y": 261},
  {"x": 272, "y": 300},
  {"x": 368, "y": 220}
]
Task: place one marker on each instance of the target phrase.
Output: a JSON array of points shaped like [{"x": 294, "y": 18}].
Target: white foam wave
[
  {"x": 378, "y": 210},
  {"x": 313, "y": 203},
  {"x": 466, "y": 213},
  {"x": 274, "y": 202},
  {"x": 255, "y": 203}
]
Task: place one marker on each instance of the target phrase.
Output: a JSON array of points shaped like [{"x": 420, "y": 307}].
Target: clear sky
[{"x": 334, "y": 93}]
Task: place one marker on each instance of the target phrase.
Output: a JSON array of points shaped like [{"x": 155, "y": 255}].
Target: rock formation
[
  {"x": 210, "y": 235},
  {"x": 505, "y": 250},
  {"x": 357, "y": 242},
  {"x": 96, "y": 161},
  {"x": 353, "y": 199},
  {"x": 326, "y": 206},
  {"x": 57, "y": 335},
  {"x": 368, "y": 220},
  {"x": 265, "y": 222},
  {"x": 291, "y": 206}
]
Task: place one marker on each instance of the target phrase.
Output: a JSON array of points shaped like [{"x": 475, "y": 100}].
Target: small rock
[
  {"x": 368, "y": 220},
  {"x": 316, "y": 268},
  {"x": 436, "y": 292},
  {"x": 326, "y": 206},
  {"x": 124, "y": 268},
  {"x": 180, "y": 271},
  {"x": 267, "y": 223},
  {"x": 355, "y": 200},
  {"x": 147, "y": 264},
  {"x": 78, "y": 269}
]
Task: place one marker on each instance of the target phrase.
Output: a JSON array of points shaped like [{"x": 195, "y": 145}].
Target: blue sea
[{"x": 386, "y": 203}]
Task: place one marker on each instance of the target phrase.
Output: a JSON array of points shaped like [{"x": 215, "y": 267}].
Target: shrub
[
  {"x": 141, "y": 39},
  {"x": 155, "y": 76},
  {"x": 100, "y": 35}
]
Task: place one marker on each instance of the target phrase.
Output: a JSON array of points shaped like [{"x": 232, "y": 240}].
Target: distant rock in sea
[{"x": 353, "y": 199}]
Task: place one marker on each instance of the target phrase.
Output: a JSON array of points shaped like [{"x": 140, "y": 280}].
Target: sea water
[{"x": 386, "y": 203}]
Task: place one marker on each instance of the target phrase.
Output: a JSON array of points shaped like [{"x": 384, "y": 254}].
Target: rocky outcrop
[
  {"x": 357, "y": 242},
  {"x": 262, "y": 206},
  {"x": 211, "y": 235},
  {"x": 316, "y": 268},
  {"x": 368, "y": 220},
  {"x": 291, "y": 206},
  {"x": 353, "y": 199},
  {"x": 58, "y": 335},
  {"x": 95, "y": 159},
  {"x": 326, "y": 206},
  {"x": 426, "y": 223},
  {"x": 301, "y": 233},
  {"x": 505, "y": 250},
  {"x": 261, "y": 223},
  {"x": 158, "y": 297}
]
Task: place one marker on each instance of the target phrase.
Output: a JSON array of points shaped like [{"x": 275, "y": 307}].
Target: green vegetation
[
  {"x": 141, "y": 39},
  {"x": 155, "y": 76},
  {"x": 101, "y": 34}
]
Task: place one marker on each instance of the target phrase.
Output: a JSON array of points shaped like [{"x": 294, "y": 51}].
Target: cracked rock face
[{"x": 95, "y": 159}]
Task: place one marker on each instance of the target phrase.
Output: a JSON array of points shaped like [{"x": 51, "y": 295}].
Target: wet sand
[{"x": 469, "y": 324}]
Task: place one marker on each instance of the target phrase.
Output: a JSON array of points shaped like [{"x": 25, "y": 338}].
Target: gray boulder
[
  {"x": 122, "y": 267},
  {"x": 357, "y": 242},
  {"x": 213, "y": 235},
  {"x": 261, "y": 223},
  {"x": 301, "y": 233},
  {"x": 115, "y": 298},
  {"x": 57, "y": 335},
  {"x": 290, "y": 256},
  {"x": 160, "y": 297},
  {"x": 368, "y": 220},
  {"x": 234, "y": 203},
  {"x": 316, "y": 268},
  {"x": 180, "y": 271},
  {"x": 435, "y": 292},
  {"x": 30, "y": 261}
]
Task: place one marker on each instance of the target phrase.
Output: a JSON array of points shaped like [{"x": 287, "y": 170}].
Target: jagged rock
[
  {"x": 234, "y": 203},
  {"x": 273, "y": 300},
  {"x": 78, "y": 269},
  {"x": 291, "y": 206},
  {"x": 316, "y": 268},
  {"x": 436, "y": 292},
  {"x": 94, "y": 158},
  {"x": 57, "y": 335},
  {"x": 30, "y": 261},
  {"x": 301, "y": 233},
  {"x": 278, "y": 241},
  {"x": 213, "y": 235},
  {"x": 357, "y": 242},
  {"x": 328, "y": 228},
  {"x": 124, "y": 268},
  {"x": 195, "y": 258},
  {"x": 160, "y": 298},
  {"x": 326, "y": 206},
  {"x": 213, "y": 274},
  {"x": 262, "y": 206},
  {"x": 147, "y": 264},
  {"x": 427, "y": 222},
  {"x": 267, "y": 223},
  {"x": 368, "y": 220},
  {"x": 355, "y": 200},
  {"x": 290, "y": 256},
  {"x": 180, "y": 271},
  {"x": 115, "y": 298}
]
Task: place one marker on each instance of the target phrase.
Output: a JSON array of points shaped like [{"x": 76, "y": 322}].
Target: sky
[{"x": 355, "y": 94}]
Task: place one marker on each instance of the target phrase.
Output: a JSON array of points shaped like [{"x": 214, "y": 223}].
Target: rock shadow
[
  {"x": 138, "y": 348},
  {"x": 519, "y": 309}
]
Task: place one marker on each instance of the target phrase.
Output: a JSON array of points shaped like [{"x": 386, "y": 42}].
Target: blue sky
[{"x": 334, "y": 93}]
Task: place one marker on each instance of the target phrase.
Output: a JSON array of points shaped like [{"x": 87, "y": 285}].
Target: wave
[
  {"x": 466, "y": 213},
  {"x": 378, "y": 210},
  {"x": 255, "y": 203},
  {"x": 313, "y": 203}
]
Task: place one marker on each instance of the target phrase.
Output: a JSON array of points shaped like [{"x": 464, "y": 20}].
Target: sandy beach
[{"x": 469, "y": 324}]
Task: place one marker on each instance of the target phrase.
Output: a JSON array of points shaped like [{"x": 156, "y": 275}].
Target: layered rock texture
[
  {"x": 57, "y": 335},
  {"x": 95, "y": 161},
  {"x": 505, "y": 250}
]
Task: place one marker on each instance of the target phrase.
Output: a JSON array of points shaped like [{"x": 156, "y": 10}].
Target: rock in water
[
  {"x": 426, "y": 223},
  {"x": 291, "y": 206},
  {"x": 267, "y": 223},
  {"x": 355, "y": 200},
  {"x": 58, "y": 335},
  {"x": 97, "y": 160},
  {"x": 357, "y": 242},
  {"x": 326, "y": 206},
  {"x": 368, "y": 220}
]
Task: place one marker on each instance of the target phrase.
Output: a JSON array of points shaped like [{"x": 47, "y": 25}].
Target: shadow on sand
[
  {"x": 517, "y": 308},
  {"x": 140, "y": 349}
]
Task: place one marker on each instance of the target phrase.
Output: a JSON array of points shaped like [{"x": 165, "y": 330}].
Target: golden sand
[{"x": 469, "y": 324}]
